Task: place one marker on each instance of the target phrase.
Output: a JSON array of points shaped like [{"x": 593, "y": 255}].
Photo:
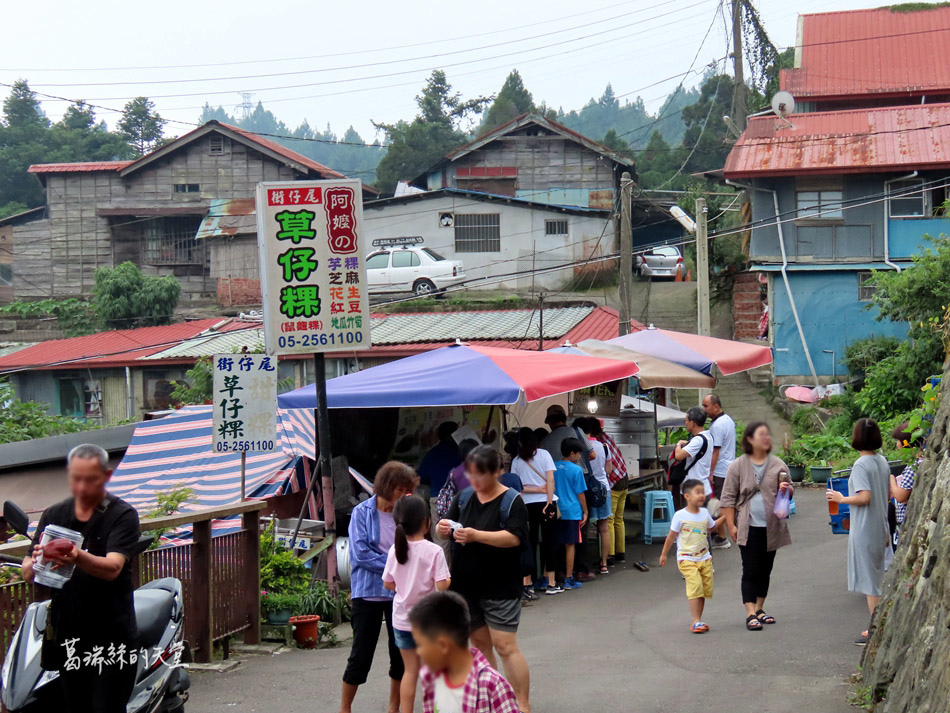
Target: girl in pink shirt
[{"x": 414, "y": 568}]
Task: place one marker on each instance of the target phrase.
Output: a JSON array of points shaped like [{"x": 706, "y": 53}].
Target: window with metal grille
[
  {"x": 555, "y": 227},
  {"x": 171, "y": 241},
  {"x": 186, "y": 188},
  {"x": 865, "y": 290},
  {"x": 216, "y": 144},
  {"x": 6, "y": 275},
  {"x": 477, "y": 232}
]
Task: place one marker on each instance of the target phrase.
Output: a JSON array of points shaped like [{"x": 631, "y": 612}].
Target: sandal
[
  {"x": 642, "y": 566},
  {"x": 752, "y": 623},
  {"x": 604, "y": 570},
  {"x": 764, "y": 618},
  {"x": 700, "y": 627}
]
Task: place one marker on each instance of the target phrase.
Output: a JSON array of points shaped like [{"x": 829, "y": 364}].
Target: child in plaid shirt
[{"x": 455, "y": 678}]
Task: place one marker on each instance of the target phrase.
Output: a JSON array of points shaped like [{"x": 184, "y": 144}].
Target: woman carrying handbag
[
  {"x": 535, "y": 467},
  {"x": 753, "y": 483}
]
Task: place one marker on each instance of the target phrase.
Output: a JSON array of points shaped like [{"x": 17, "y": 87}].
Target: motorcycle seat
[{"x": 153, "y": 611}]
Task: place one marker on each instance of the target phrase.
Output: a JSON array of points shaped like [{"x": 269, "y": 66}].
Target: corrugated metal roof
[
  {"x": 81, "y": 166},
  {"x": 498, "y": 324},
  {"x": 855, "y": 141},
  {"x": 877, "y": 51},
  {"x": 227, "y": 343},
  {"x": 229, "y": 217},
  {"x": 105, "y": 349}
]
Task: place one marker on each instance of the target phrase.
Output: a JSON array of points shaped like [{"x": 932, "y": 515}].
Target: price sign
[
  {"x": 245, "y": 403},
  {"x": 313, "y": 273}
]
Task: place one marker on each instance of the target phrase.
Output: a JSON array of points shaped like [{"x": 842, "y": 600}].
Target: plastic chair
[{"x": 653, "y": 526}]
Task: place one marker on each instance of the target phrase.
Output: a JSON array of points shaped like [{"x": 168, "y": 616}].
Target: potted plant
[
  {"x": 306, "y": 630},
  {"x": 795, "y": 460},
  {"x": 820, "y": 472},
  {"x": 278, "y": 607}
]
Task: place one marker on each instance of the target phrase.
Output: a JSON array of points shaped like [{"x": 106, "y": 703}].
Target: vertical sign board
[
  {"x": 313, "y": 274},
  {"x": 245, "y": 403}
]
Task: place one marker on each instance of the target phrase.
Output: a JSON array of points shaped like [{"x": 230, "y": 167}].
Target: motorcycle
[{"x": 161, "y": 682}]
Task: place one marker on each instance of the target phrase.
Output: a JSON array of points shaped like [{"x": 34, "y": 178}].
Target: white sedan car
[{"x": 419, "y": 270}]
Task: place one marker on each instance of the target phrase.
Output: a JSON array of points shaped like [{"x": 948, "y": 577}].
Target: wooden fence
[{"x": 220, "y": 577}]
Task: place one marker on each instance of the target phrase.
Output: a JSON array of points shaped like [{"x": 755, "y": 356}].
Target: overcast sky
[{"x": 356, "y": 62}]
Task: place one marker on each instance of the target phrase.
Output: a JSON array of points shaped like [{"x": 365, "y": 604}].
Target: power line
[
  {"x": 319, "y": 56},
  {"x": 402, "y": 60}
]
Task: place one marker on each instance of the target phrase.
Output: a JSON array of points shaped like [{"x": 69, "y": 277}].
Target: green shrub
[
  {"x": 281, "y": 571},
  {"x": 863, "y": 354},
  {"x": 893, "y": 385}
]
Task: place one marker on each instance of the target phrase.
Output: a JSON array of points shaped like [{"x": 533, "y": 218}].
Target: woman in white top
[
  {"x": 600, "y": 466},
  {"x": 535, "y": 467}
]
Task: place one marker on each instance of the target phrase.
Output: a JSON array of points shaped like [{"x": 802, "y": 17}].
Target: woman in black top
[{"x": 486, "y": 562}]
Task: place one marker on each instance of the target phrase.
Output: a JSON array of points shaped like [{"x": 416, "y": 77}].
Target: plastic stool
[
  {"x": 792, "y": 510},
  {"x": 654, "y": 526}
]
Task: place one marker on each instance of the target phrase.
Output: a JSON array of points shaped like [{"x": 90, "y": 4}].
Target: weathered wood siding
[
  {"x": 232, "y": 174},
  {"x": 58, "y": 256},
  {"x": 550, "y": 169},
  {"x": 235, "y": 257}
]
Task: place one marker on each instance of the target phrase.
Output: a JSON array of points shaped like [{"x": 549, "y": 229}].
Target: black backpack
[
  {"x": 677, "y": 470},
  {"x": 596, "y": 492}
]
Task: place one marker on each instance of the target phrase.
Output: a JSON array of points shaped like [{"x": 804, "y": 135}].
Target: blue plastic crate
[{"x": 840, "y": 523}]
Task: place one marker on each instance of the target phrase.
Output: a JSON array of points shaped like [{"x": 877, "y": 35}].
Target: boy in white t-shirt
[{"x": 690, "y": 528}]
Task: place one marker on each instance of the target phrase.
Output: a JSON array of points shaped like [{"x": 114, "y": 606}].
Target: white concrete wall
[{"x": 524, "y": 245}]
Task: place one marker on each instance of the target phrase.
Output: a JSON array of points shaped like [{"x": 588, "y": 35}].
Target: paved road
[{"x": 623, "y": 644}]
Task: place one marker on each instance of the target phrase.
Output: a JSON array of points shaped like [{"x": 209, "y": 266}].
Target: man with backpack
[{"x": 695, "y": 454}]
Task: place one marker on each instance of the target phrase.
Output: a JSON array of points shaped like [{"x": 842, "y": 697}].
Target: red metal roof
[
  {"x": 83, "y": 166},
  {"x": 112, "y": 349},
  {"x": 878, "y": 51},
  {"x": 856, "y": 141}
]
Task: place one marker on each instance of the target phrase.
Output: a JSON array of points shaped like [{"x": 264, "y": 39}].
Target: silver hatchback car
[{"x": 662, "y": 261}]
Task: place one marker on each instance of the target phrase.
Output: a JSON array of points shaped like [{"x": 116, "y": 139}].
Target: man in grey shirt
[{"x": 723, "y": 431}]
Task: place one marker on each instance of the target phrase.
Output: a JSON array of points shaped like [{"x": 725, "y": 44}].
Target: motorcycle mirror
[
  {"x": 145, "y": 541},
  {"x": 17, "y": 520}
]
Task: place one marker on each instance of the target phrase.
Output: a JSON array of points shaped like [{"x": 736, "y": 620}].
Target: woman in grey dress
[{"x": 867, "y": 497}]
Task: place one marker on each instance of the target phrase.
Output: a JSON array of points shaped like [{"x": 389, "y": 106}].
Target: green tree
[
  {"x": 513, "y": 100},
  {"x": 23, "y": 141},
  {"x": 78, "y": 136},
  {"x": 124, "y": 298},
  {"x": 613, "y": 142},
  {"x": 141, "y": 125},
  {"x": 657, "y": 163},
  {"x": 416, "y": 145},
  {"x": 707, "y": 139},
  {"x": 918, "y": 295},
  {"x": 24, "y": 421},
  {"x": 197, "y": 388}
]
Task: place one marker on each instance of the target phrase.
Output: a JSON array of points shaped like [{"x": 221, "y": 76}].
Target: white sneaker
[{"x": 721, "y": 544}]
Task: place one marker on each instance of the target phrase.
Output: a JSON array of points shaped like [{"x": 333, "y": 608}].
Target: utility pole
[
  {"x": 626, "y": 252},
  {"x": 541, "y": 322},
  {"x": 739, "y": 108},
  {"x": 702, "y": 269}
]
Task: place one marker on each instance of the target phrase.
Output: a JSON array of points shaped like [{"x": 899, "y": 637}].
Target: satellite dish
[{"x": 783, "y": 104}]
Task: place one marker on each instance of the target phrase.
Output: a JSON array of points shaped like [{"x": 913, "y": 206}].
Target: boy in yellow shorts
[{"x": 690, "y": 528}]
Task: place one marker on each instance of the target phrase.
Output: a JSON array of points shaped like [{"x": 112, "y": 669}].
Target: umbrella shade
[
  {"x": 654, "y": 372},
  {"x": 463, "y": 375},
  {"x": 695, "y": 351}
]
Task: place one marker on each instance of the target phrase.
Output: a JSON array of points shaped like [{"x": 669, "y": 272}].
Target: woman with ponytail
[{"x": 414, "y": 568}]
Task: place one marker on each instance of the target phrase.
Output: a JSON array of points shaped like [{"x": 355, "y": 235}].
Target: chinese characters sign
[
  {"x": 245, "y": 402},
  {"x": 313, "y": 277}
]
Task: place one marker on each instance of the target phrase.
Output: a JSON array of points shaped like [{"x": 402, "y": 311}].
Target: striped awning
[{"x": 176, "y": 451}]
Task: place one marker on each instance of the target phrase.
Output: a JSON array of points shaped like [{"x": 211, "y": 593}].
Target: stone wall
[{"x": 906, "y": 666}]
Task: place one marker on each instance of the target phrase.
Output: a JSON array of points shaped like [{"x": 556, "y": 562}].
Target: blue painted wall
[
  {"x": 831, "y": 315},
  {"x": 907, "y": 234}
]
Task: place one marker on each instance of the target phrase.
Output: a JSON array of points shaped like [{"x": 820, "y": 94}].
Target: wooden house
[
  {"x": 535, "y": 159},
  {"x": 150, "y": 211}
]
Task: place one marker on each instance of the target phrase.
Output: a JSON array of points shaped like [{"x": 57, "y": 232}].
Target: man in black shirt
[
  {"x": 91, "y": 629},
  {"x": 486, "y": 562}
]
